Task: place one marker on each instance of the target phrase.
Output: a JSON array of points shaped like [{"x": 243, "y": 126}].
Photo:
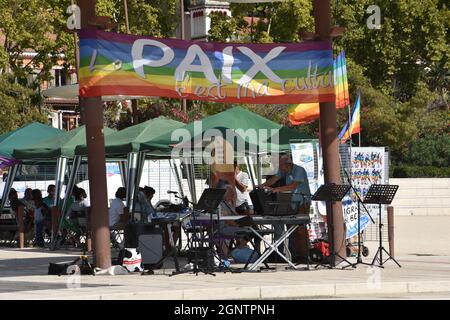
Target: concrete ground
[{"x": 422, "y": 248}]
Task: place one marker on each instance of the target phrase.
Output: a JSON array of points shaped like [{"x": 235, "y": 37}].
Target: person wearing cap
[{"x": 296, "y": 183}]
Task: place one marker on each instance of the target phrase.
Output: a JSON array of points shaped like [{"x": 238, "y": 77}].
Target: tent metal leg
[
  {"x": 8, "y": 184},
  {"x": 123, "y": 172},
  {"x": 70, "y": 184}
]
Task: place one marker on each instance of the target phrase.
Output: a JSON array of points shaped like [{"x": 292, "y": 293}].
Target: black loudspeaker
[
  {"x": 148, "y": 239},
  {"x": 259, "y": 198}
]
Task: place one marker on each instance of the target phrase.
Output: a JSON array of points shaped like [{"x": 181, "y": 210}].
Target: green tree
[
  {"x": 32, "y": 25},
  {"x": 17, "y": 108},
  {"x": 413, "y": 36},
  {"x": 223, "y": 27},
  {"x": 157, "y": 18}
]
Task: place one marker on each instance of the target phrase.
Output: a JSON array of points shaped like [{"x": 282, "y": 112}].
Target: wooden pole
[
  {"x": 127, "y": 23},
  {"x": 182, "y": 37},
  {"x": 95, "y": 141},
  {"x": 77, "y": 62},
  {"x": 328, "y": 135},
  {"x": 390, "y": 219},
  {"x": 134, "y": 102}
]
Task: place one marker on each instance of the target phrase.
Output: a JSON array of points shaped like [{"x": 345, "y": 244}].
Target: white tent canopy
[{"x": 71, "y": 92}]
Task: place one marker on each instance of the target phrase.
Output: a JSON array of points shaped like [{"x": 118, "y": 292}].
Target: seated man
[
  {"x": 296, "y": 183},
  {"x": 49, "y": 200},
  {"x": 118, "y": 214}
]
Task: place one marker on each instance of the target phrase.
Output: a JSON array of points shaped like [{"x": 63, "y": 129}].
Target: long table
[{"x": 251, "y": 221}]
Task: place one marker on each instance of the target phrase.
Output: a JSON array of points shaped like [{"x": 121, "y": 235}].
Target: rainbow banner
[
  {"x": 355, "y": 124},
  {"x": 128, "y": 65},
  {"x": 308, "y": 112}
]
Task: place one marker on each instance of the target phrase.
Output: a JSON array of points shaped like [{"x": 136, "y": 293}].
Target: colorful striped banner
[
  {"x": 308, "y": 112},
  {"x": 355, "y": 123},
  {"x": 121, "y": 64}
]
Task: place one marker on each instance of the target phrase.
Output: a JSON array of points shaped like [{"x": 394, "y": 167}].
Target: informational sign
[
  {"x": 367, "y": 168},
  {"x": 128, "y": 65}
]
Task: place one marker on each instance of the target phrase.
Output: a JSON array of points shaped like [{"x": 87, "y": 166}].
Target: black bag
[
  {"x": 243, "y": 208},
  {"x": 57, "y": 269}
]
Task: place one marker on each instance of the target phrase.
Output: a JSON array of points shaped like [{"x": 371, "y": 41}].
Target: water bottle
[{"x": 226, "y": 263}]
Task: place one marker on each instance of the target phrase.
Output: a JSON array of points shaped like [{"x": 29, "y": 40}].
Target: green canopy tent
[
  {"x": 283, "y": 138},
  {"x": 256, "y": 134},
  {"x": 136, "y": 143},
  {"x": 138, "y": 138},
  {"x": 259, "y": 134},
  {"x": 26, "y": 135},
  {"x": 60, "y": 147},
  {"x": 235, "y": 120}
]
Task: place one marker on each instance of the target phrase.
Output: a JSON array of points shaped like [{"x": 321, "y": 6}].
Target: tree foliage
[
  {"x": 413, "y": 36},
  {"x": 401, "y": 70},
  {"x": 17, "y": 108},
  {"x": 32, "y": 25},
  {"x": 158, "y": 18}
]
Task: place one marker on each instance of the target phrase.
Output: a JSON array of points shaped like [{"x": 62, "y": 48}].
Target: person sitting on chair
[
  {"x": 296, "y": 183},
  {"x": 243, "y": 201},
  {"x": 144, "y": 203},
  {"x": 118, "y": 216},
  {"x": 49, "y": 200},
  {"x": 27, "y": 199},
  {"x": 118, "y": 213},
  {"x": 23, "y": 222},
  {"x": 80, "y": 213},
  {"x": 41, "y": 217}
]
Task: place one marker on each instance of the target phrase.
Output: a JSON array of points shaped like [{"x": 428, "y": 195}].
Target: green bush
[{"x": 406, "y": 171}]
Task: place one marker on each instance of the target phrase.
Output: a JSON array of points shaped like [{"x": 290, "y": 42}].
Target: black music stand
[
  {"x": 208, "y": 202},
  {"x": 381, "y": 194},
  {"x": 332, "y": 192},
  {"x": 358, "y": 258}
]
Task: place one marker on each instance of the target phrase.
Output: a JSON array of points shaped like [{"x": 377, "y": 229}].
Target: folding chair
[{"x": 117, "y": 236}]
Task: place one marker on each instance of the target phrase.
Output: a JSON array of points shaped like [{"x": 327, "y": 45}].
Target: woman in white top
[
  {"x": 243, "y": 201},
  {"x": 118, "y": 215}
]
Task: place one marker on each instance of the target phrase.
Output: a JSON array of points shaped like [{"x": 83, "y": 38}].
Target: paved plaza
[{"x": 425, "y": 260}]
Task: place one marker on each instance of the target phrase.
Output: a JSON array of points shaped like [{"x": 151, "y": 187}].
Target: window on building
[{"x": 60, "y": 77}]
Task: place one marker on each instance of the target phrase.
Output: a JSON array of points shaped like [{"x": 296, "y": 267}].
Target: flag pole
[
  {"x": 360, "y": 112},
  {"x": 359, "y": 136}
]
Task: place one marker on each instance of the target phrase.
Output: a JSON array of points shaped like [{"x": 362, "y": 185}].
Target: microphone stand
[
  {"x": 358, "y": 258},
  {"x": 196, "y": 268}
]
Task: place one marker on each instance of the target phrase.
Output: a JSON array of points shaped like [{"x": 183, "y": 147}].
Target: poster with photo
[{"x": 306, "y": 154}]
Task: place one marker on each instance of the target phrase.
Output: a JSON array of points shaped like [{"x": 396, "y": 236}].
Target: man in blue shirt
[{"x": 296, "y": 183}]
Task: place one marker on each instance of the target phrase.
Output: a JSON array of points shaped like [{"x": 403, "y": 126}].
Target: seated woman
[
  {"x": 79, "y": 213},
  {"x": 118, "y": 213},
  {"x": 144, "y": 204},
  {"x": 23, "y": 222}
]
